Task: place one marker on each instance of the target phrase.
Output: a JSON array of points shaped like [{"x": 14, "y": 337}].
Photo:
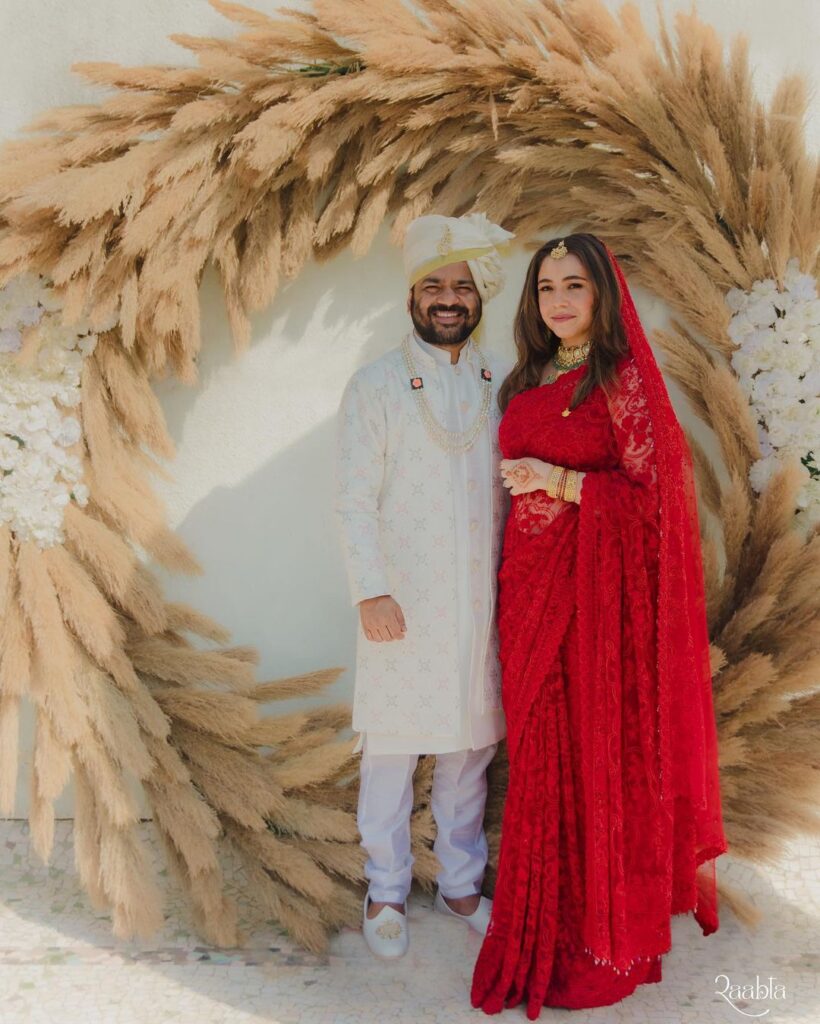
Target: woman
[{"x": 613, "y": 798}]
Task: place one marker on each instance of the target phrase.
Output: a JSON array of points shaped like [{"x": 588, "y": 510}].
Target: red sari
[{"x": 613, "y": 799}]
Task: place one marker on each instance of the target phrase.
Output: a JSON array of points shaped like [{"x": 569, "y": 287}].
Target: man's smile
[{"x": 448, "y": 316}]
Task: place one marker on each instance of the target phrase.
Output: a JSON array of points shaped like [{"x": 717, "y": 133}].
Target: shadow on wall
[{"x": 270, "y": 546}]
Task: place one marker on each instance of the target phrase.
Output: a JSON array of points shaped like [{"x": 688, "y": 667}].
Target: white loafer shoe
[
  {"x": 478, "y": 920},
  {"x": 387, "y": 935}
]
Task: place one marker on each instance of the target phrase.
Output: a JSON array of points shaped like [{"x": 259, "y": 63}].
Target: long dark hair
[{"x": 536, "y": 343}]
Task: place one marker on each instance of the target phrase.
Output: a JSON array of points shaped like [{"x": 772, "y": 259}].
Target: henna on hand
[{"x": 521, "y": 476}]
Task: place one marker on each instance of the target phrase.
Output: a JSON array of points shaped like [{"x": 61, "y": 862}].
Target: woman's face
[{"x": 566, "y": 298}]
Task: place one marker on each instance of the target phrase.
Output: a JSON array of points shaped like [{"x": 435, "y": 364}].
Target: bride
[{"x": 613, "y": 801}]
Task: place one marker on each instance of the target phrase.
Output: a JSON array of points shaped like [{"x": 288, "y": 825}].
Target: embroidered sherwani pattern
[{"x": 424, "y": 526}]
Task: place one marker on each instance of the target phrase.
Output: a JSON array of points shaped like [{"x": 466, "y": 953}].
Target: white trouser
[{"x": 457, "y": 802}]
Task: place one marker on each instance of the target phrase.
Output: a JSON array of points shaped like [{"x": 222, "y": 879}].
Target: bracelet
[
  {"x": 552, "y": 481},
  {"x": 571, "y": 485},
  {"x": 562, "y": 485}
]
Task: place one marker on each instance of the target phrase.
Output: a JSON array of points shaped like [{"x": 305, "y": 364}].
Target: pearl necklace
[{"x": 454, "y": 441}]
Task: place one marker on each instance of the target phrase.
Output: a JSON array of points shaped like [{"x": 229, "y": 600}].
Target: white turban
[{"x": 434, "y": 241}]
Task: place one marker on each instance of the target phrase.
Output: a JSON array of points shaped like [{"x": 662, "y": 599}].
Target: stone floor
[{"x": 59, "y": 963}]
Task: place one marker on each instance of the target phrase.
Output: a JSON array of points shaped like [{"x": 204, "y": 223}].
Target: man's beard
[{"x": 444, "y": 334}]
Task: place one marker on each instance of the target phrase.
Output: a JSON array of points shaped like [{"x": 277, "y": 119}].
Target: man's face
[{"x": 445, "y": 306}]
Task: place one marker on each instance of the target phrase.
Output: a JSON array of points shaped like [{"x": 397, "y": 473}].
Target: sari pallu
[{"x": 612, "y": 800}]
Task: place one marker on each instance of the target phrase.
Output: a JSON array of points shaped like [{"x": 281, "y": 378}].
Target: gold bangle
[
  {"x": 552, "y": 481},
  {"x": 572, "y": 483}
]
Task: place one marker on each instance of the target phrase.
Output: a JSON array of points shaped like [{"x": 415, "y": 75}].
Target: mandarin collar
[{"x": 431, "y": 354}]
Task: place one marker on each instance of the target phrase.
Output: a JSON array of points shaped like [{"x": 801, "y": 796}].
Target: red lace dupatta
[{"x": 626, "y": 528}]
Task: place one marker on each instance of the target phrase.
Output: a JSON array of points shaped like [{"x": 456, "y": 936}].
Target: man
[{"x": 420, "y": 504}]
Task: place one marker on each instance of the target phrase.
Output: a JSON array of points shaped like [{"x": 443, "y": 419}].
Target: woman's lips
[{"x": 560, "y": 319}]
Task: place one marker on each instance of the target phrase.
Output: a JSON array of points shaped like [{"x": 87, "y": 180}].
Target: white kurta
[{"x": 423, "y": 525}]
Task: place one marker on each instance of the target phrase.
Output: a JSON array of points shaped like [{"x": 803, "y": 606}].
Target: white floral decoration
[
  {"x": 41, "y": 363},
  {"x": 777, "y": 359}
]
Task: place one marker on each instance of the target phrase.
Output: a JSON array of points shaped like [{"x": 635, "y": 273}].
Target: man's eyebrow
[{"x": 437, "y": 280}]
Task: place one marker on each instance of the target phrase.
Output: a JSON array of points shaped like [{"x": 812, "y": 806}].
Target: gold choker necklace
[{"x": 568, "y": 358}]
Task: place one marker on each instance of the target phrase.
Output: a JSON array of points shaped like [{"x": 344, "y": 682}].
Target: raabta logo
[{"x": 744, "y": 994}]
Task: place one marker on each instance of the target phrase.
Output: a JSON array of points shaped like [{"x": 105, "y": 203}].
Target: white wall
[{"x": 252, "y": 476}]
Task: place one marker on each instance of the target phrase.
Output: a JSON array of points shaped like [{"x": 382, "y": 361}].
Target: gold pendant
[{"x": 566, "y": 412}]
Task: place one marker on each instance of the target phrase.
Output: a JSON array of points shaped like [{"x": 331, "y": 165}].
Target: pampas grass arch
[{"x": 295, "y": 140}]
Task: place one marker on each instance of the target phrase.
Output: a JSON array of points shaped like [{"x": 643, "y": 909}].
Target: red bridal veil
[{"x": 687, "y": 781}]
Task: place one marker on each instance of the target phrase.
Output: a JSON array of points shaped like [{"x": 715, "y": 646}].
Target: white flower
[
  {"x": 766, "y": 445},
  {"x": 802, "y": 287},
  {"x": 793, "y": 324},
  {"x": 794, "y": 426},
  {"x": 761, "y": 472},
  {"x": 777, "y": 360},
  {"x": 23, "y": 290},
  {"x": 764, "y": 289},
  {"x": 810, "y": 382},
  {"x": 34, "y": 419},
  {"x": 69, "y": 431},
  {"x": 51, "y": 301},
  {"x": 809, "y": 501},
  {"x": 10, "y": 339},
  {"x": 51, "y": 360},
  {"x": 9, "y": 452},
  {"x": 80, "y": 493},
  {"x": 87, "y": 344},
  {"x": 771, "y": 385},
  {"x": 736, "y": 300},
  {"x": 761, "y": 313},
  {"x": 40, "y": 474},
  {"x": 29, "y": 315},
  {"x": 69, "y": 398},
  {"x": 797, "y": 358},
  {"x": 739, "y": 327},
  {"x": 39, "y": 441}
]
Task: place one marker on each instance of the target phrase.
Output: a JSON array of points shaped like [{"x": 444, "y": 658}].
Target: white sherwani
[{"x": 424, "y": 526}]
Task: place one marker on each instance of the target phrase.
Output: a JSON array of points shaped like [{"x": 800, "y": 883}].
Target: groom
[{"x": 420, "y": 505}]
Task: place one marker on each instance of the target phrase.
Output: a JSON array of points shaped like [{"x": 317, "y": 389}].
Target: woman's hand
[{"x": 522, "y": 476}]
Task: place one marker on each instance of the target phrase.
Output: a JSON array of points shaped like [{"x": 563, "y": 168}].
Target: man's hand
[
  {"x": 524, "y": 475},
  {"x": 382, "y": 619}
]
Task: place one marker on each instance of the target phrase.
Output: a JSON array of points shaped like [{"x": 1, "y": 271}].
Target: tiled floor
[{"x": 60, "y": 965}]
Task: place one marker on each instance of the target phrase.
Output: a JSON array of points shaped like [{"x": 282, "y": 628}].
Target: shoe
[
  {"x": 478, "y": 920},
  {"x": 387, "y": 935}
]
